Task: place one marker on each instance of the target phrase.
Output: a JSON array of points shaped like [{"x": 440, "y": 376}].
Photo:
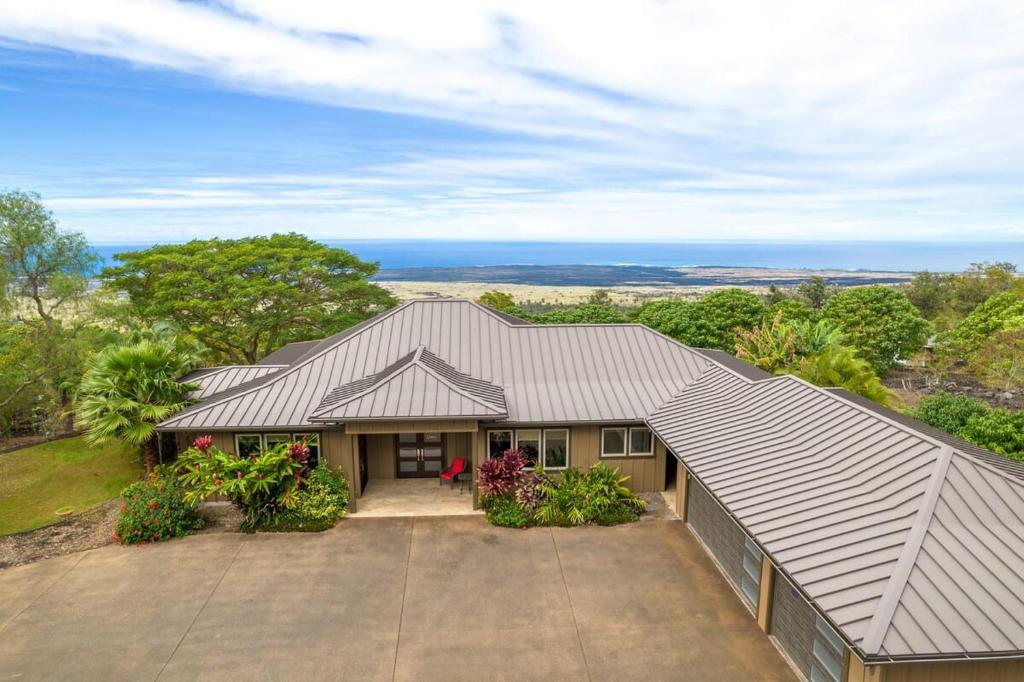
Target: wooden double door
[{"x": 419, "y": 455}]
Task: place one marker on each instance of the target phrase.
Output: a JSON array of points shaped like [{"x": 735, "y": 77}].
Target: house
[{"x": 867, "y": 545}]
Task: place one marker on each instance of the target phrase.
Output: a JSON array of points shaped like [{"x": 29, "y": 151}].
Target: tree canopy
[
  {"x": 589, "y": 313},
  {"x": 879, "y": 322},
  {"x": 244, "y": 298},
  {"x": 499, "y": 300},
  {"x": 711, "y": 322},
  {"x": 1002, "y": 312}
]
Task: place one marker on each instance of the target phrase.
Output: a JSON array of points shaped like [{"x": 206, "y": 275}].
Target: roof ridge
[
  {"x": 273, "y": 377},
  {"x": 458, "y": 389},
  {"x": 874, "y": 634}
]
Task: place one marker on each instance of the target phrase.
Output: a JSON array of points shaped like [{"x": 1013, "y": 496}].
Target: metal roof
[
  {"x": 738, "y": 366},
  {"x": 549, "y": 373},
  {"x": 288, "y": 353},
  {"x": 418, "y": 385},
  {"x": 909, "y": 546},
  {"x": 214, "y": 380}
]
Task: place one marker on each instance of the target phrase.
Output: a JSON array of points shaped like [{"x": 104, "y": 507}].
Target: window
[
  {"x": 528, "y": 442},
  {"x": 548, "y": 447},
  {"x": 828, "y": 654},
  {"x": 750, "y": 585},
  {"x": 556, "y": 448},
  {"x": 248, "y": 444},
  {"x": 274, "y": 439},
  {"x": 640, "y": 441},
  {"x": 498, "y": 442},
  {"x": 613, "y": 442}
]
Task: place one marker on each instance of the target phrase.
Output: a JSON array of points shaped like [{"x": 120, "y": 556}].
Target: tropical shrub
[
  {"x": 771, "y": 345},
  {"x": 504, "y": 511},
  {"x": 839, "y": 366},
  {"x": 500, "y": 476},
  {"x": 530, "y": 492},
  {"x": 588, "y": 313},
  {"x": 1002, "y": 312},
  {"x": 320, "y": 502},
  {"x": 949, "y": 412},
  {"x": 262, "y": 485},
  {"x": 997, "y": 430},
  {"x": 155, "y": 509},
  {"x": 598, "y": 495},
  {"x": 711, "y": 322},
  {"x": 879, "y": 322}
]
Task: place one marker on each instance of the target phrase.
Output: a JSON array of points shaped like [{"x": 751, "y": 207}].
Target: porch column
[
  {"x": 764, "y": 600},
  {"x": 682, "y": 489},
  {"x": 351, "y": 460},
  {"x": 476, "y": 443}
]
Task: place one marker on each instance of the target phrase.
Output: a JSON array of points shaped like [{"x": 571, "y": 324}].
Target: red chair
[{"x": 451, "y": 474}]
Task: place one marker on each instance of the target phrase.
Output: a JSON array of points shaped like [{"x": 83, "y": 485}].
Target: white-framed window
[
  {"x": 641, "y": 441},
  {"x": 548, "y": 447},
  {"x": 528, "y": 443},
  {"x": 556, "y": 448},
  {"x": 248, "y": 444},
  {"x": 613, "y": 441}
]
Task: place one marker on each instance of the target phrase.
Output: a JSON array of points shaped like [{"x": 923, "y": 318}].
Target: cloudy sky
[{"x": 160, "y": 120}]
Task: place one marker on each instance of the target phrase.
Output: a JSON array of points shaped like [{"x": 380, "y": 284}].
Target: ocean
[{"x": 874, "y": 256}]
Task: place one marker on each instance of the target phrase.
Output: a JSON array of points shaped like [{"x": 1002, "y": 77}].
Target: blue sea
[{"x": 874, "y": 256}]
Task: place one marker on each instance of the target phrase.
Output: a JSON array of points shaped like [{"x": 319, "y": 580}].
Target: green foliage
[
  {"x": 981, "y": 282},
  {"x": 879, "y": 322},
  {"x": 1000, "y": 431},
  {"x": 321, "y": 501},
  {"x": 504, "y": 511},
  {"x": 771, "y": 345},
  {"x": 711, "y": 322},
  {"x": 791, "y": 310},
  {"x": 999, "y": 362},
  {"x": 949, "y": 412},
  {"x": 598, "y": 495},
  {"x": 499, "y": 300},
  {"x": 815, "y": 292},
  {"x": 599, "y": 297},
  {"x": 931, "y": 292},
  {"x": 839, "y": 366},
  {"x": 1001, "y": 312},
  {"x": 129, "y": 389},
  {"x": 262, "y": 485},
  {"x": 589, "y": 313},
  {"x": 247, "y": 297},
  {"x": 154, "y": 510},
  {"x": 40, "y": 262}
]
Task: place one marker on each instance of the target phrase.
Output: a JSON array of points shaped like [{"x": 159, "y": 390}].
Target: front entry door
[{"x": 419, "y": 455}]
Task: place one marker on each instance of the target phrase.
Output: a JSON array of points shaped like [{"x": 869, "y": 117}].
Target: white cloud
[{"x": 725, "y": 118}]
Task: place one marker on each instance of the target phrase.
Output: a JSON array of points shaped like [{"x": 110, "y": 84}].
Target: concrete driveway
[{"x": 382, "y": 599}]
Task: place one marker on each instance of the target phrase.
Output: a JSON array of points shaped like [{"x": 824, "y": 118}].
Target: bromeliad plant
[{"x": 263, "y": 485}]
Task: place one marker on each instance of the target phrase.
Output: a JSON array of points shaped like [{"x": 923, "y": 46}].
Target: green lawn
[{"x": 35, "y": 482}]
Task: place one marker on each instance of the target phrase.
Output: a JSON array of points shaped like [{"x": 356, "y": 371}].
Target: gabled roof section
[
  {"x": 909, "y": 546},
  {"x": 418, "y": 385}
]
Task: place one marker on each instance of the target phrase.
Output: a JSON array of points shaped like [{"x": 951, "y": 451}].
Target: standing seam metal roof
[
  {"x": 551, "y": 373},
  {"x": 909, "y": 546}
]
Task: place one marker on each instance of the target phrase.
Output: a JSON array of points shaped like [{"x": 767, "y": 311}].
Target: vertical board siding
[
  {"x": 646, "y": 474},
  {"x": 719, "y": 532}
]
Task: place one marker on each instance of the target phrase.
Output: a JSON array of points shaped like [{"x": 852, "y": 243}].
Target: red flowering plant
[
  {"x": 262, "y": 485},
  {"x": 499, "y": 476},
  {"x": 155, "y": 509}
]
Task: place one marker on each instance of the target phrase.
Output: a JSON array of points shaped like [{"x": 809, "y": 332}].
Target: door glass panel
[
  {"x": 432, "y": 465},
  {"x": 408, "y": 465},
  {"x": 407, "y": 439},
  {"x": 431, "y": 437}
]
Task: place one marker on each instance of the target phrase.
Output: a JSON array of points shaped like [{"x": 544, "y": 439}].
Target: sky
[{"x": 156, "y": 120}]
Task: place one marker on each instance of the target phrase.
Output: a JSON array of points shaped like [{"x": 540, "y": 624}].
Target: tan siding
[
  {"x": 967, "y": 671},
  {"x": 419, "y": 426},
  {"x": 646, "y": 474},
  {"x": 380, "y": 455}
]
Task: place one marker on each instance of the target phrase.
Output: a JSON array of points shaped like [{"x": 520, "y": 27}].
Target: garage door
[
  {"x": 812, "y": 644},
  {"x": 737, "y": 554}
]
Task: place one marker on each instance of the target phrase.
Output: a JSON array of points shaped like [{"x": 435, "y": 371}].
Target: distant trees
[
  {"x": 499, "y": 300},
  {"x": 589, "y": 313},
  {"x": 243, "y": 298},
  {"x": 879, "y": 322},
  {"x": 44, "y": 337},
  {"x": 711, "y": 322}
]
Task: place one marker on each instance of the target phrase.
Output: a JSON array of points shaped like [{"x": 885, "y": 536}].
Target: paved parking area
[{"x": 387, "y": 599}]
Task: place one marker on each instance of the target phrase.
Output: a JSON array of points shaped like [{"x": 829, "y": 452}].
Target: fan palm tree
[{"x": 128, "y": 389}]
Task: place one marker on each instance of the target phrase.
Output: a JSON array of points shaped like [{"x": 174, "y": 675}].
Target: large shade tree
[
  {"x": 879, "y": 322},
  {"x": 244, "y": 298},
  {"x": 128, "y": 389}
]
